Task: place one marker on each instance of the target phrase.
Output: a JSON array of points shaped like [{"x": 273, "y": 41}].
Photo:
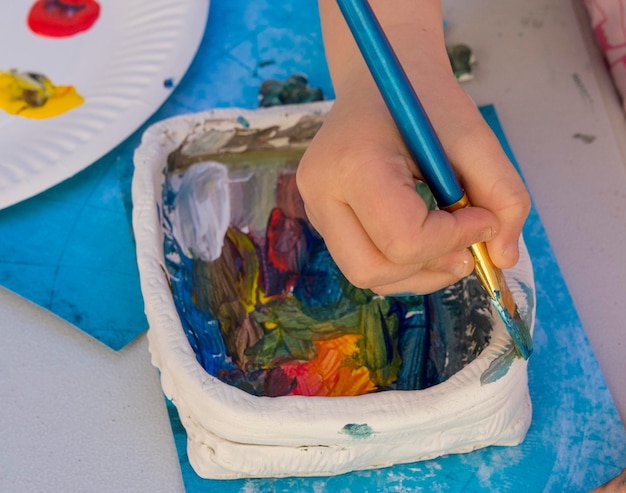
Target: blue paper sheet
[
  {"x": 576, "y": 440},
  {"x": 70, "y": 250}
]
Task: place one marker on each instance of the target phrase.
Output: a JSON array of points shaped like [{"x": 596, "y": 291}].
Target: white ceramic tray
[{"x": 232, "y": 433}]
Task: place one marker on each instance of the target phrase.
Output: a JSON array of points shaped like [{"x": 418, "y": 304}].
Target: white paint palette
[{"x": 232, "y": 433}]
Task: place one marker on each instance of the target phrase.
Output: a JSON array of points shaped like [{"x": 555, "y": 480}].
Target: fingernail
[
  {"x": 487, "y": 234},
  {"x": 462, "y": 269},
  {"x": 510, "y": 251}
]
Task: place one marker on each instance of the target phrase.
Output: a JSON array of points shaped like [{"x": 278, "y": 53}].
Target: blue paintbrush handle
[{"x": 403, "y": 103}]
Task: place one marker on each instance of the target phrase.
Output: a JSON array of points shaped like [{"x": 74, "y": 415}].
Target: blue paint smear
[
  {"x": 243, "y": 122},
  {"x": 517, "y": 329},
  {"x": 318, "y": 285},
  {"x": 201, "y": 330},
  {"x": 499, "y": 366},
  {"x": 358, "y": 431}
]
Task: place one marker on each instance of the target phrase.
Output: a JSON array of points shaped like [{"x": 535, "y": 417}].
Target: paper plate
[
  {"x": 233, "y": 432},
  {"x": 124, "y": 65}
]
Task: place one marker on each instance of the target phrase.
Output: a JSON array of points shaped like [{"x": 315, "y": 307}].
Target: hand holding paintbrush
[{"x": 358, "y": 180}]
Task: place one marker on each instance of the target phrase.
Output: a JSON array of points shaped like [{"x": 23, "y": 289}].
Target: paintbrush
[{"x": 427, "y": 151}]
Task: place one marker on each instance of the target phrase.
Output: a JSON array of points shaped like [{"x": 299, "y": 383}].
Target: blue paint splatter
[
  {"x": 358, "y": 431},
  {"x": 243, "y": 122},
  {"x": 499, "y": 366}
]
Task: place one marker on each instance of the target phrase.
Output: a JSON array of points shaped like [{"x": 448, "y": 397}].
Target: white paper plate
[{"x": 119, "y": 66}]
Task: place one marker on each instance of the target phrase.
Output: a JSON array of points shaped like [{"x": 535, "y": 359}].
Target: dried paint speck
[
  {"x": 243, "y": 122},
  {"x": 586, "y": 138},
  {"x": 359, "y": 431}
]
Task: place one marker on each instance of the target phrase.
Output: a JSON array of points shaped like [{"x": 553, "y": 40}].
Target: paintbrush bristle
[{"x": 515, "y": 325}]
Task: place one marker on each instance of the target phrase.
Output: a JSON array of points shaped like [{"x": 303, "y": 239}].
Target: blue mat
[
  {"x": 70, "y": 250},
  {"x": 576, "y": 440}
]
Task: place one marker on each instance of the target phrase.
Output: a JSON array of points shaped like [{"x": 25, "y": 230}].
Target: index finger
[{"x": 383, "y": 197}]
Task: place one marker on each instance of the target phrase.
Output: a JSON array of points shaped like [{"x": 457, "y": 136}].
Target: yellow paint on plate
[{"x": 32, "y": 95}]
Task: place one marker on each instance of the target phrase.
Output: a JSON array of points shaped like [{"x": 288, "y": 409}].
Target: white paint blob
[{"x": 202, "y": 210}]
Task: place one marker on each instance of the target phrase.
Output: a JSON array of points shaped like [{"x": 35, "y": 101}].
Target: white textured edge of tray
[{"x": 234, "y": 434}]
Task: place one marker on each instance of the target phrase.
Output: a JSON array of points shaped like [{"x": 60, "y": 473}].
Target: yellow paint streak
[{"x": 61, "y": 99}]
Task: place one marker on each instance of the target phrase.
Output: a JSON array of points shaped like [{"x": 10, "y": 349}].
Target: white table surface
[{"x": 76, "y": 416}]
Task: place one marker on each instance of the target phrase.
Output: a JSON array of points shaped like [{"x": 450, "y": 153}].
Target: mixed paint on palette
[{"x": 263, "y": 304}]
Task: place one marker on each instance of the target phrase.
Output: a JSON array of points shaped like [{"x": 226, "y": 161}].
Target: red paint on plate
[{"x": 62, "y": 18}]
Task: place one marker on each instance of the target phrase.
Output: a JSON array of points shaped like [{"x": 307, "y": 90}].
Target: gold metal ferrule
[
  {"x": 493, "y": 281},
  {"x": 490, "y": 276}
]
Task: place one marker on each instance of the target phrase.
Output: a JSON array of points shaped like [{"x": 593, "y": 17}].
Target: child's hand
[{"x": 358, "y": 183}]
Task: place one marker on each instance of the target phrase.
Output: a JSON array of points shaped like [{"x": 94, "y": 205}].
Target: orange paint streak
[{"x": 333, "y": 371}]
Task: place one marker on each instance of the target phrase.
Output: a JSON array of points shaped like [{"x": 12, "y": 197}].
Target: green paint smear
[
  {"x": 499, "y": 366},
  {"x": 359, "y": 431}
]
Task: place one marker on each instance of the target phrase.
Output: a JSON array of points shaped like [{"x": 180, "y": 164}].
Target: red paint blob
[
  {"x": 286, "y": 242},
  {"x": 62, "y": 18}
]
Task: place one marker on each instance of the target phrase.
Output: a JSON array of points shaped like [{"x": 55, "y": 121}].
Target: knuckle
[
  {"x": 359, "y": 277},
  {"x": 399, "y": 250},
  {"x": 363, "y": 278},
  {"x": 394, "y": 252},
  {"x": 516, "y": 202}
]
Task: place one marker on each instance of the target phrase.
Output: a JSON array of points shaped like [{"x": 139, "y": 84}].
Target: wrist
[{"x": 415, "y": 31}]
